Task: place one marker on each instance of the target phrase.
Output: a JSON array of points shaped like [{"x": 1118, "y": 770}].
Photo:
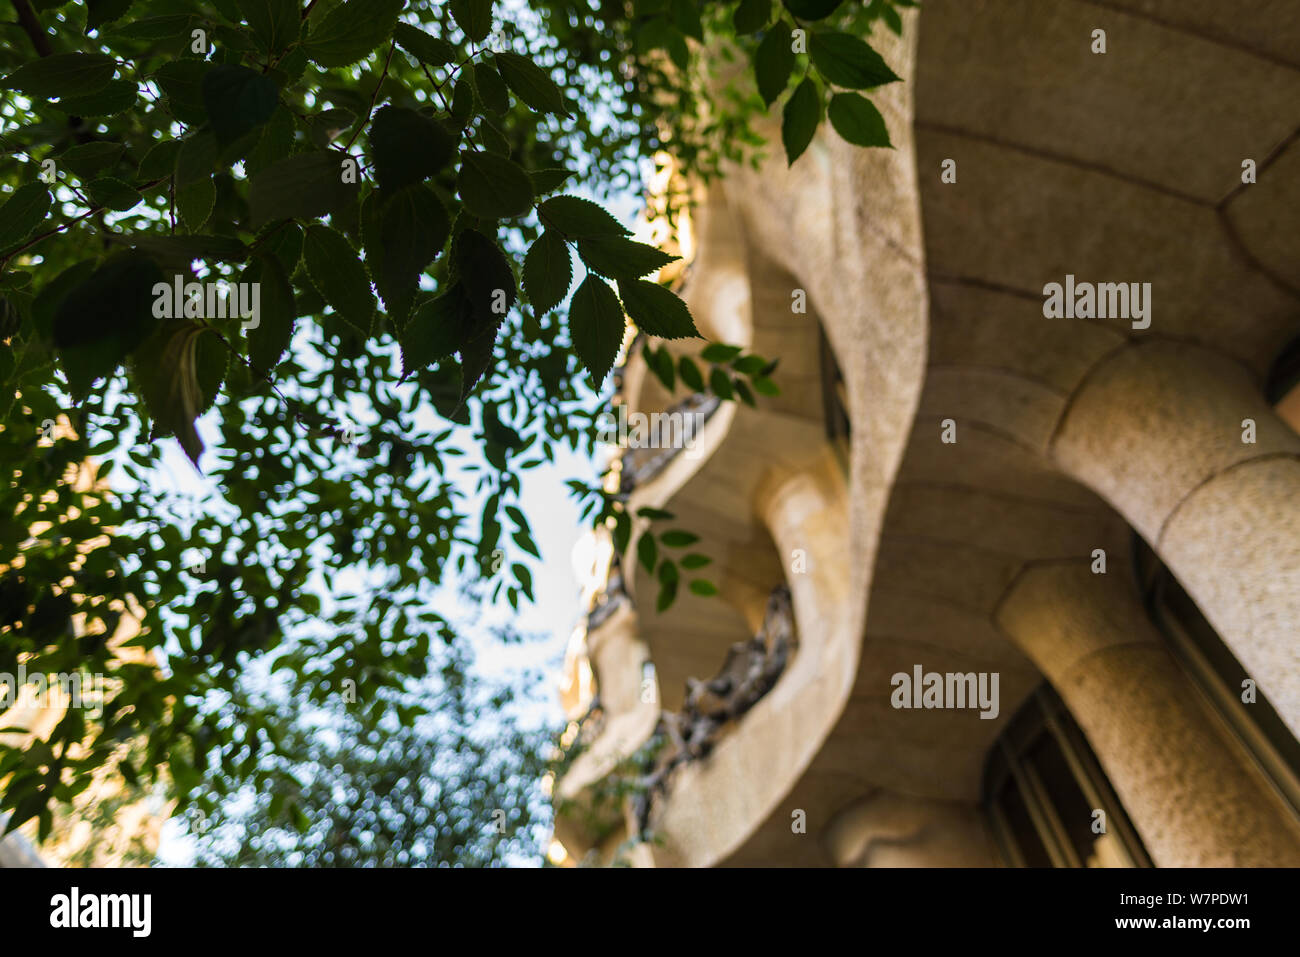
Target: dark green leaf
[
  {"x": 100, "y": 321},
  {"x": 116, "y": 97},
  {"x": 23, "y": 210},
  {"x": 690, "y": 374},
  {"x": 720, "y": 384},
  {"x": 548, "y": 272},
  {"x": 474, "y": 17},
  {"x": 812, "y": 9},
  {"x": 275, "y": 23},
  {"x": 656, "y": 310},
  {"x": 548, "y": 180},
  {"x": 63, "y": 74},
  {"x": 493, "y": 187},
  {"x": 596, "y": 326},
  {"x": 338, "y": 275},
  {"x": 404, "y": 232},
  {"x": 237, "y": 100},
  {"x": 531, "y": 83},
  {"x": 434, "y": 330},
  {"x": 857, "y": 120},
  {"x": 703, "y": 587},
  {"x": 432, "y": 51},
  {"x": 618, "y": 258},
  {"x": 113, "y": 193},
  {"x": 647, "y": 553},
  {"x": 88, "y": 159},
  {"x": 678, "y": 538},
  {"x": 803, "y": 111},
  {"x": 686, "y": 16},
  {"x": 276, "y": 315},
  {"x": 773, "y": 62},
  {"x": 717, "y": 352},
  {"x": 352, "y": 30},
  {"x": 194, "y": 203},
  {"x": 407, "y": 146},
  {"x": 847, "y": 61},
  {"x": 491, "y": 88},
  {"x": 577, "y": 218},
  {"x": 696, "y": 560},
  {"x": 752, "y": 15},
  {"x": 302, "y": 186}
]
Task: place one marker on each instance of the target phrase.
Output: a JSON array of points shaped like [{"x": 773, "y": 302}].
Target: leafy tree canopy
[{"x": 423, "y": 297}]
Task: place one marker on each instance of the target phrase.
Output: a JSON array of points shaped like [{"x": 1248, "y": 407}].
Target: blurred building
[{"x": 1103, "y": 513}]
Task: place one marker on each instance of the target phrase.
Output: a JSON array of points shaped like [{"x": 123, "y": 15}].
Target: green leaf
[
  {"x": 661, "y": 363},
  {"x": 179, "y": 370},
  {"x": 857, "y": 120},
  {"x": 752, "y": 15},
  {"x": 407, "y": 147},
  {"x": 491, "y": 88},
  {"x": 578, "y": 218},
  {"x": 548, "y": 180},
  {"x": 182, "y": 81},
  {"x": 434, "y": 331},
  {"x": 678, "y": 538},
  {"x": 276, "y": 314},
  {"x": 773, "y": 61},
  {"x": 237, "y": 100},
  {"x": 474, "y": 17},
  {"x": 720, "y": 384},
  {"x": 647, "y": 552},
  {"x": 194, "y": 203},
  {"x": 658, "y": 33},
  {"x": 99, "y": 12},
  {"x": 338, "y": 275},
  {"x": 177, "y": 252},
  {"x": 656, "y": 310},
  {"x": 116, "y": 97},
  {"x": 160, "y": 161},
  {"x": 750, "y": 364},
  {"x": 493, "y": 187},
  {"x": 703, "y": 587},
  {"x": 743, "y": 390},
  {"x": 195, "y": 159},
  {"x": 596, "y": 326},
  {"x": 275, "y": 23},
  {"x": 490, "y": 292},
  {"x": 690, "y": 374},
  {"x": 654, "y": 514},
  {"x": 812, "y": 9},
  {"x": 302, "y": 186},
  {"x": 803, "y": 111},
  {"x": 63, "y": 74},
  {"x": 718, "y": 353},
  {"x": 548, "y": 272},
  {"x": 113, "y": 193},
  {"x": 431, "y": 51},
  {"x": 88, "y": 159},
  {"x": 404, "y": 232},
  {"x": 686, "y": 15},
  {"x": 105, "y": 317},
  {"x": 696, "y": 560},
  {"x": 352, "y": 30},
  {"x": 766, "y": 386},
  {"x": 618, "y": 258},
  {"x": 22, "y": 212},
  {"x": 848, "y": 61},
  {"x": 531, "y": 83}
]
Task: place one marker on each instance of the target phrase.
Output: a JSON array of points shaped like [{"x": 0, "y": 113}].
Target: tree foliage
[{"x": 414, "y": 190}]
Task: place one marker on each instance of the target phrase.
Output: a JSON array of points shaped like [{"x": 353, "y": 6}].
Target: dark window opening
[
  {"x": 1218, "y": 675},
  {"x": 1043, "y": 789}
]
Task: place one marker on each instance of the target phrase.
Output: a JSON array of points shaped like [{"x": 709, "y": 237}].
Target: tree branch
[{"x": 32, "y": 27}]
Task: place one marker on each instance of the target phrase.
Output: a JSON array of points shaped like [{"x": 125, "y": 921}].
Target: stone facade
[{"x": 1001, "y": 467}]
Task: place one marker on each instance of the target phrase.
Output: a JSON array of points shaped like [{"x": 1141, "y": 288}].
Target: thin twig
[{"x": 373, "y": 96}]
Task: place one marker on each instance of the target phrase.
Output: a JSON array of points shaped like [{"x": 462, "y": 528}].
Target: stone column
[
  {"x": 1194, "y": 797},
  {"x": 1163, "y": 431}
]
